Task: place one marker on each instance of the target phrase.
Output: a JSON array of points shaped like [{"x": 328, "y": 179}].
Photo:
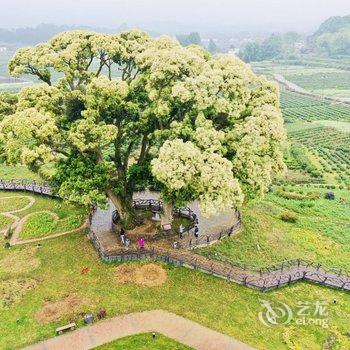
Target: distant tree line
[
  {"x": 331, "y": 39},
  {"x": 275, "y": 46},
  {"x": 194, "y": 38}
]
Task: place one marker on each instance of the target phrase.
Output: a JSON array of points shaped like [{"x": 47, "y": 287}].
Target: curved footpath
[
  {"x": 18, "y": 223},
  {"x": 175, "y": 327}
]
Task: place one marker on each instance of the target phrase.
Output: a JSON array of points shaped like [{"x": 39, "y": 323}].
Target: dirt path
[
  {"x": 18, "y": 223},
  {"x": 54, "y": 235},
  {"x": 31, "y": 202},
  {"x": 176, "y": 327}
]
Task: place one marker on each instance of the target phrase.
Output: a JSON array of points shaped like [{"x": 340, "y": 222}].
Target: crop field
[
  {"x": 329, "y": 151},
  {"x": 297, "y": 107},
  {"x": 322, "y": 80}
]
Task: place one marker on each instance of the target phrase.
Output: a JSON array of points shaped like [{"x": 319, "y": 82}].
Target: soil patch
[
  {"x": 55, "y": 311},
  {"x": 13, "y": 290},
  {"x": 20, "y": 261},
  {"x": 148, "y": 228},
  {"x": 149, "y": 275}
]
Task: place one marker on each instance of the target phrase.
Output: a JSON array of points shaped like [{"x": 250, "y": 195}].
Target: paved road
[{"x": 181, "y": 329}]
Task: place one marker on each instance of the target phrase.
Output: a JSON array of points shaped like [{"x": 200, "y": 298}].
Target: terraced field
[
  {"x": 296, "y": 107},
  {"x": 315, "y": 81},
  {"x": 329, "y": 151}
]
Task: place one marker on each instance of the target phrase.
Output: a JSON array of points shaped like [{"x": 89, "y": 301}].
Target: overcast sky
[{"x": 302, "y": 15}]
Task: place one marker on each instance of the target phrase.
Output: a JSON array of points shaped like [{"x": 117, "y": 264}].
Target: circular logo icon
[{"x": 275, "y": 314}]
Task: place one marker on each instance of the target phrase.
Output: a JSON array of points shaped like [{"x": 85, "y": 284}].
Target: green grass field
[
  {"x": 17, "y": 173},
  {"x": 321, "y": 233},
  {"x": 144, "y": 342},
  {"x": 225, "y": 307},
  {"x": 41, "y": 221}
]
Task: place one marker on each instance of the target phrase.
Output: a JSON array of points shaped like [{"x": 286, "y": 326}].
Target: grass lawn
[
  {"x": 5, "y": 221},
  {"x": 41, "y": 222},
  {"x": 225, "y": 307},
  {"x": 321, "y": 234},
  {"x": 17, "y": 173},
  {"x": 12, "y": 202},
  {"x": 144, "y": 342}
]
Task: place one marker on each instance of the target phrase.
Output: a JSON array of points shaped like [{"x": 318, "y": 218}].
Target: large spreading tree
[{"x": 118, "y": 112}]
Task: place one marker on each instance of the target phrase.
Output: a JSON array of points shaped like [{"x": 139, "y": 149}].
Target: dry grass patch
[
  {"x": 148, "y": 228},
  {"x": 125, "y": 273},
  {"x": 20, "y": 261},
  {"x": 55, "y": 311},
  {"x": 13, "y": 290},
  {"x": 149, "y": 275}
]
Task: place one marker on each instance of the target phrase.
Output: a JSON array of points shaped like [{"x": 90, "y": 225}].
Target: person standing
[
  {"x": 196, "y": 231},
  {"x": 122, "y": 235},
  {"x": 141, "y": 243},
  {"x": 127, "y": 243},
  {"x": 181, "y": 230}
]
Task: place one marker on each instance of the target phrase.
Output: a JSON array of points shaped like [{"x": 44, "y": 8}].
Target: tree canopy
[
  {"x": 276, "y": 46},
  {"x": 120, "y": 112}
]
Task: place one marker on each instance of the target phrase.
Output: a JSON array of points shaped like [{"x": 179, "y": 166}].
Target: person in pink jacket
[{"x": 141, "y": 243}]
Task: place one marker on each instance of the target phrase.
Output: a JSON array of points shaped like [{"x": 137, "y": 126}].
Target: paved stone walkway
[
  {"x": 181, "y": 329},
  {"x": 101, "y": 223}
]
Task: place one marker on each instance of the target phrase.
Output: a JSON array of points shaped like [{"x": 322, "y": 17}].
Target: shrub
[
  {"x": 289, "y": 216},
  {"x": 306, "y": 204},
  {"x": 330, "y": 195},
  {"x": 298, "y": 195}
]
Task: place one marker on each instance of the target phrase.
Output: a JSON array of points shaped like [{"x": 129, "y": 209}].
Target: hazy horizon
[{"x": 175, "y": 16}]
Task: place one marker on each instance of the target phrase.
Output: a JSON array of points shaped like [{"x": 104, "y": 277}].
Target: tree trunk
[
  {"x": 167, "y": 216},
  {"x": 124, "y": 208}
]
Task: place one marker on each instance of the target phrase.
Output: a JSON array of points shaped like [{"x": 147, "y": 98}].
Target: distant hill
[
  {"x": 333, "y": 25},
  {"x": 332, "y": 37}
]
